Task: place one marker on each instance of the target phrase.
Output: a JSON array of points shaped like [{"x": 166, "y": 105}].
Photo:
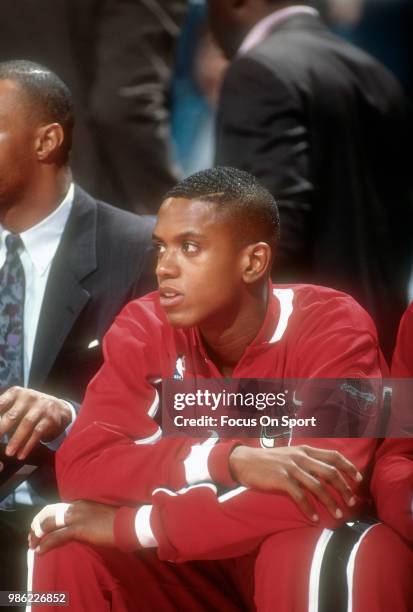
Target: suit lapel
[{"x": 65, "y": 297}]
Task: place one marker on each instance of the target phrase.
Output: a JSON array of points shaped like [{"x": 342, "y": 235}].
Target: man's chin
[{"x": 180, "y": 319}]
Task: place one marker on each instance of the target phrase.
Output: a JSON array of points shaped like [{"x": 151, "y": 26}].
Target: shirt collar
[
  {"x": 42, "y": 240},
  {"x": 262, "y": 29}
]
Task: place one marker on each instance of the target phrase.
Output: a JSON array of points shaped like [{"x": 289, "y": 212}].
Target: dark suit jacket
[
  {"x": 103, "y": 261},
  {"x": 323, "y": 126}
]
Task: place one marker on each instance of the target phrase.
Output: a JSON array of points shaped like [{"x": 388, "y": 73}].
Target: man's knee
[
  {"x": 283, "y": 567},
  {"x": 373, "y": 567},
  {"x": 65, "y": 562},
  {"x": 386, "y": 558}
]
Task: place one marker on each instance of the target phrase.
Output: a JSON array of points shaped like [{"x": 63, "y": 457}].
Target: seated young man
[{"x": 144, "y": 499}]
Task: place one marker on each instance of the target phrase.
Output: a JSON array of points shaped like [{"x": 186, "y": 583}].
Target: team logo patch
[
  {"x": 359, "y": 397},
  {"x": 179, "y": 368}
]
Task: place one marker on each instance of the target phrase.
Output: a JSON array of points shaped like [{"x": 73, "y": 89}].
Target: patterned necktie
[{"x": 12, "y": 315}]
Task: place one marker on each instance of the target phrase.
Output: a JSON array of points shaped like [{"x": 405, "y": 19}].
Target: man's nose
[{"x": 167, "y": 266}]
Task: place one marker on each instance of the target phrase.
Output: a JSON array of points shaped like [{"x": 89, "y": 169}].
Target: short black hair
[
  {"x": 48, "y": 97},
  {"x": 240, "y": 197}
]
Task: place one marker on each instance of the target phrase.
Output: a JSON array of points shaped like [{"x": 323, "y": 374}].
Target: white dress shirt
[{"x": 262, "y": 29}]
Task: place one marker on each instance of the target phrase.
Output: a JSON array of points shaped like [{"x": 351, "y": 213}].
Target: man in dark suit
[
  {"x": 78, "y": 261},
  {"x": 323, "y": 126}
]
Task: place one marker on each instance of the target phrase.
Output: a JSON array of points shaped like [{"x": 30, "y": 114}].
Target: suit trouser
[{"x": 297, "y": 570}]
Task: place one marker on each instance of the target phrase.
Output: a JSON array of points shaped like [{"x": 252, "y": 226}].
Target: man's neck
[
  {"x": 227, "y": 340},
  {"x": 37, "y": 203}
]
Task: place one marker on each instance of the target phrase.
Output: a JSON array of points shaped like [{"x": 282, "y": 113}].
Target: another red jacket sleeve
[
  {"x": 196, "y": 523},
  {"x": 392, "y": 485},
  {"x": 402, "y": 363},
  {"x": 392, "y": 479}
]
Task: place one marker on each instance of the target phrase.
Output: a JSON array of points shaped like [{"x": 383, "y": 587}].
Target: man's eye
[
  {"x": 159, "y": 248},
  {"x": 190, "y": 247}
]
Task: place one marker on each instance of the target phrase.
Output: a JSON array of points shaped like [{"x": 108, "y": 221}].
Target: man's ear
[
  {"x": 48, "y": 142},
  {"x": 256, "y": 261}
]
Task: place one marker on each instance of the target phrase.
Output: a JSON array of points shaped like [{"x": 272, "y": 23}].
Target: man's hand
[
  {"x": 291, "y": 468},
  {"x": 31, "y": 416},
  {"x": 83, "y": 521}
]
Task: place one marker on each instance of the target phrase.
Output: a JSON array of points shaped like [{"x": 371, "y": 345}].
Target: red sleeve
[
  {"x": 115, "y": 452},
  {"x": 392, "y": 485},
  {"x": 334, "y": 338},
  {"x": 402, "y": 364},
  {"x": 337, "y": 340},
  {"x": 229, "y": 525}
]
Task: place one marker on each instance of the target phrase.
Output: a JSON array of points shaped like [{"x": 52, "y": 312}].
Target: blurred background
[{"x": 145, "y": 75}]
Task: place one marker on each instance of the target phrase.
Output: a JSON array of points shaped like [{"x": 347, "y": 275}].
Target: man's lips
[{"x": 169, "y": 297}]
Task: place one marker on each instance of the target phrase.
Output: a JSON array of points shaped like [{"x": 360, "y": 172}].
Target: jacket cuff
[
  {"x": 218, "y": 463},
  {"x": 132, "y": 529},
  {"x": 124, "y": 529}
]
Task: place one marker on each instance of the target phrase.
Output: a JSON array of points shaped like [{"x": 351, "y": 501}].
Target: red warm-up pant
[{"x": 299, "y": 570}]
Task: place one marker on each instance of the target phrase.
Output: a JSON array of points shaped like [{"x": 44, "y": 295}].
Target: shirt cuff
[
  {"x": 57, "y": 442},
  {"x": 218, "y": 463},
  {"x": 132, "y": 529}
]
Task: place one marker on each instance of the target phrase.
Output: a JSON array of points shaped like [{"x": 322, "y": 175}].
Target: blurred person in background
[
  {"x": 199, "y": 69},
  {"x": 135, "y": 52},
  {"x": 117, "y": 59},
  {"x": 324, "y": 127},
  {"x": 382, "y": 28}
]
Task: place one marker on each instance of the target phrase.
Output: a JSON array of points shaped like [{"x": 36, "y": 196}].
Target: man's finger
[
  {"x": 39, "y": 522},
  {"x": 337, "y": 459},
  {"x": 49, "y": 518},
  {"x": 319, "y": 490},
  {"x": 7, "y": 398},
  {"x": 28, "y": 421},
  {"x": 37, "y": 434},
  {"x": 14, "y": 412},
  {"x": 331, "y": 475},
  {"x": 11, "y": 417},
  {"x": 32, "y": 539},
  {"x": 54, "y": 539},
  {"x": 336, "y": 479},
  {"x": 297, "y": 494}
]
